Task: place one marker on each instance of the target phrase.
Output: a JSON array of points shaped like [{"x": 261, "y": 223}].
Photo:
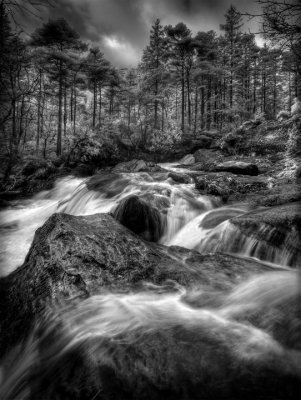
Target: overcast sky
[{"x": 121, "y": 27}]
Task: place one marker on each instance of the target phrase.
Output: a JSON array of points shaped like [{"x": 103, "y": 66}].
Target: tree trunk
[
  {"x": 59, "y": 130},
  {"x": 275, "y": 93},
  {"x": 71, "y": 103},
  {"x": 74, "y": 112},
  {"x": 208, "y": 115},
  {"x": 289, "y": 92},
  {"x": 202, "y": 105},
  {"x": 195, "y": 109},
  {"x": 183, "y": 97},
  {"x": 94, "y": 103},
  {"x": 65, "y": 109},
  {"x": 188, "y": 97},
  {"x": 156, "y": 105},
  {"x": 100, "y": 106},
  {"x": 39, "y": 112},
  {"x": 254, "y": 89}
]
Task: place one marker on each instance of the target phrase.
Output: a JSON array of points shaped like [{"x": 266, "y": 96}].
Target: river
[{"x": 193, "y": 221}]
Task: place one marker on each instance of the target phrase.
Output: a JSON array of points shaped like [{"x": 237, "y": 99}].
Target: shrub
[
  {"x": 164, "y": 141},
  {"x": 260, "y": 116},
  {"x": 296, "y": 107},
  {"x": 283, "y": 115}
]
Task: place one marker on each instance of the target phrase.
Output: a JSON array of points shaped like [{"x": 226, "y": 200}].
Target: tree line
[{"x": 57, "y": 94}]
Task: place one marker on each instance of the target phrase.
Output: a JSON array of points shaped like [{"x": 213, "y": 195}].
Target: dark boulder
[
  {"x": 107, "y": 183},
  {"x": 219, "y": 215},
  {"x": 187, "y": 160},
  {"x": 237, "y": 167},
  {"x": 140, "y": 218},
  {"x": 179, "y": 178},
  {"x": 280, "y": 193},
  {"x": 137, "y": 166},
  {"x": 75, "y": 257},
  {"x": 227, "y": 185},
  {"x": 276, "y": 233},
  {"x": 110, "y": 340},
  {"x": 207, "y": 157}
]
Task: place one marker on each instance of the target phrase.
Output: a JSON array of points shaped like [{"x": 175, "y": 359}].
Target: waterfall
[{"x": 185, "y": 341}]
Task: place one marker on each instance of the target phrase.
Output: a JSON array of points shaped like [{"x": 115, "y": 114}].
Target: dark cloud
[{"x": 121, "y": 27}]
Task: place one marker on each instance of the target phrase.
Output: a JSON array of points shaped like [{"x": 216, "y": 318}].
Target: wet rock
[
  {"x": 255, "y": 137},
  {"x": 276, "y": 232},
  {"x": 218, "y": 216},
  {"x": 179, "y": 178},
  {"x": 159, "y": 201},
  {"x": 207, "y": 158},
  {"x": 226, "y": 184},
  {"x": 187, "y": 160},
  {"x": 284, "y": 193},
  {"x": 83, "y": 170},
  {"x": 165, "y": 358},
  {"x": 75, "y": 257},
  {"x": 109, "y": 184},
  {"x": 140, "y": 218},
  {"x": 137, "y": 166},
  {"x": 237, "y": 167},
  {"x": 200, "y": 182}
]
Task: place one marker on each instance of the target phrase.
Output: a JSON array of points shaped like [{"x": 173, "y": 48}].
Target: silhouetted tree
[{"x": 58, "y": 38}]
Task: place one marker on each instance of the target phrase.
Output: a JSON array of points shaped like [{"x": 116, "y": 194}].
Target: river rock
[
  {"x": 276, "y": 230},
  {"x": 179, "y": 178},
  {"x": 73, "y": 257},
  {"x": 137, "y": 166},
  {"x": 187, "y": 160},
  {"x": 237, "y": 167},
  {"x": 205, "y": 156},
  {"x": 108, "y": 183},
  {"x": 225, "y": 184},
  {"x": 140, "y": 218}
]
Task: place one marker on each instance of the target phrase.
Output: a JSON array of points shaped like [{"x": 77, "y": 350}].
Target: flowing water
[{"x": 256, "y": 327}]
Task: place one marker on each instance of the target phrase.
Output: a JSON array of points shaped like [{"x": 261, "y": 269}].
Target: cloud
[{"x": 121, "y": 27}]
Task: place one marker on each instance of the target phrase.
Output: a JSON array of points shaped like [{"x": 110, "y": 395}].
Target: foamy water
[{"x": 253, "y": 328}]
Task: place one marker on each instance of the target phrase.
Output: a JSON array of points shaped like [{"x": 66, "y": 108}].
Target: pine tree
[
  {"x": 153, "y": 65},
  {"x": 5, "y": 53},
  {"x": 232, "y": 37},
  {"x": 98, "y": 69},
  {"x": 181, "y": 48},
  {"x": 58, "y": 38}
]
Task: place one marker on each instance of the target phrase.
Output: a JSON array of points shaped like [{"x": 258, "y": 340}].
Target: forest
[{"x": 61, "y": 98}]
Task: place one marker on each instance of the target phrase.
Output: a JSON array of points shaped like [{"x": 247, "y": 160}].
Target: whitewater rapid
[
  {"x": 193, "y": 221},
  {"x": 253, "y": 329}
]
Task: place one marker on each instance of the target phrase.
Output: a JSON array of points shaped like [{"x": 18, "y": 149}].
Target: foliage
[
  {"x": 165, "y": 141},
  {"x": 283, "y": 115},
  {"x": 62, "y": 99},
  {"x": 296, "y": 107}
]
